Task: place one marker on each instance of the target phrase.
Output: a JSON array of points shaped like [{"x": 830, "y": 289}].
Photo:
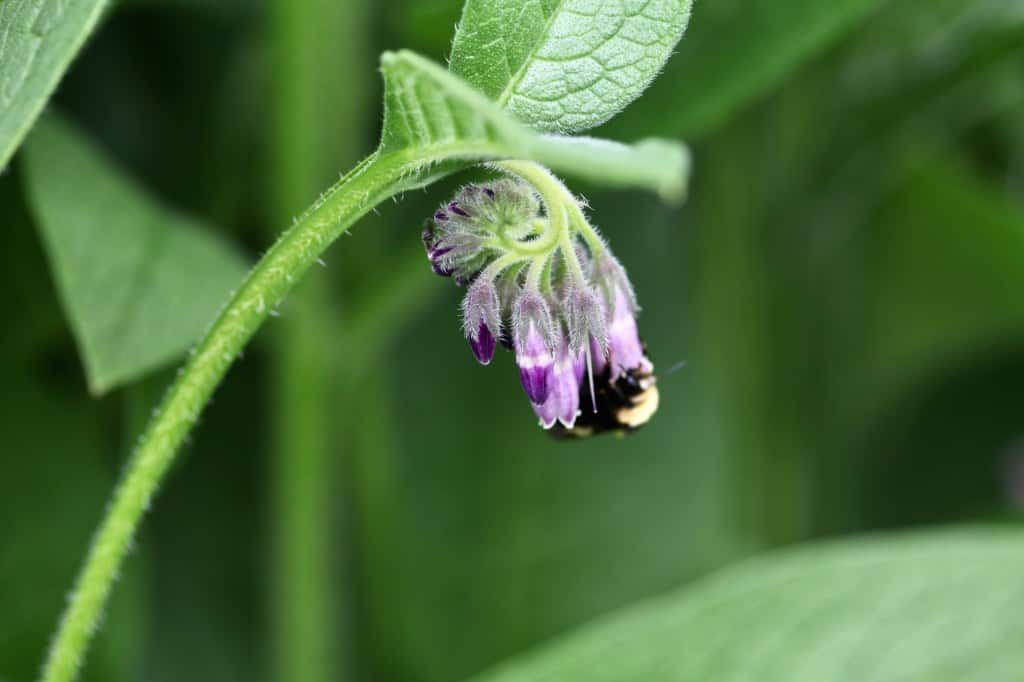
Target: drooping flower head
[{"x": 551, "y": 291}]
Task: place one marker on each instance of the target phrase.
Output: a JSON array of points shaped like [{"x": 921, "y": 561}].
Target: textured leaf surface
[
  {"x": 38, "y": 39},
  {"x": 433, "y": 116},
  {"x": 138, "y": 281},
  {"x": 566, "y": 65},
  {"x": 935, "y": 607}
]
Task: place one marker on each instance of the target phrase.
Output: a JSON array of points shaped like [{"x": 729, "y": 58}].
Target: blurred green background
[{"x": 363, "y": 501}]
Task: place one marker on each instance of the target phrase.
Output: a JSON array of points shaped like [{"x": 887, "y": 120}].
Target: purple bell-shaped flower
[
  {"x": 533, "y": 335},
  {"x": 625, "y": 349},
  {"x": 563, "y": 399}
]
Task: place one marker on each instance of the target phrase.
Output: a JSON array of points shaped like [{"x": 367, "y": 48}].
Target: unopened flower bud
[
  {"x": 611, "y": 280},
  {"x": 497, "y": 205},
  {"x": 625, "y": 350},
  {"x": 509, "y": 290},
  {"x": 585, "y": 319},
  {"x": 434, "y": 252},
  {"x": 481, "y": 319},
  {"x": 533, "y": 334},
  {"x": 455, "y": 237}
]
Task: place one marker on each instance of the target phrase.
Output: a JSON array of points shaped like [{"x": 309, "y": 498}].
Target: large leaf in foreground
[
  {"x": 38, "y": 40},
  {"x": 936, "y": 607},
  {"x": 138, "y": 281},
  {"x": 565, "y": 65}
]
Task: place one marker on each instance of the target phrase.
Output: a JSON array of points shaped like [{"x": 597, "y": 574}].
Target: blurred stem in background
[
  {"x": 316, "y": 128},
  {"x": 771, "y": 470},
  {"x": 376, "y": 527}
]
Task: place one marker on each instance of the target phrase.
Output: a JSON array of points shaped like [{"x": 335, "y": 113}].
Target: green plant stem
[
  {"x": 314, "y": 127},
  {"x": 560, "y": 205},
  {"x": 304, "y": 625},
  {"x": 375, "y": 489},
  {"x": 369, "y": 183}
]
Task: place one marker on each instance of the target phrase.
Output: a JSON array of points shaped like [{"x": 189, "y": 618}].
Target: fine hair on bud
[
  {"x": 481, "y": 319},
  {"x": 534, "y": 337},
  {"x": 585, "y": 318}
]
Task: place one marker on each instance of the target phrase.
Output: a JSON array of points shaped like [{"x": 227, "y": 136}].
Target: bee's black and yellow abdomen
[{"x": 623, "y": 405}]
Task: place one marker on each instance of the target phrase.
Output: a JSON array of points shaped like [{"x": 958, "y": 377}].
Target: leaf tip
[
  {"x": 674, "y": 182},
  {"x": 96, "y": 385}
]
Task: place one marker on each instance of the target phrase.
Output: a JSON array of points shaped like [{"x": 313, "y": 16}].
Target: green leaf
[
  {"x": 38, "y": 40},
  {"x": 565, "y": 65},
  {"x": 431, "y": 116},
  {"x": 938, "y": 606},
  {"x": 738, "y": 51},
  {"x": 138, "y": 281}
]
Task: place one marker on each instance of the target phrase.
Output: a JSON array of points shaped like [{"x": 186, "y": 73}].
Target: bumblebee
[{"x": 623, "y": 405}]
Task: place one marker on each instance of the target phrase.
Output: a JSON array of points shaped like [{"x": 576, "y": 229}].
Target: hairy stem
[
  {"x": 372, "y": 181},
  {"x": 564, "y": 212},
  {"x": 501, "y": 264}
]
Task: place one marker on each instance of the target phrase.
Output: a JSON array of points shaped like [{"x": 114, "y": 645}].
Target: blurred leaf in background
[
  {"x": 139, "y": 282},
  {"x": 38, "y": 40}
]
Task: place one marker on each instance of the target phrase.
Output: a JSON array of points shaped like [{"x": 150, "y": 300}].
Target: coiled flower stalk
[{"x": 543, "y": 283}]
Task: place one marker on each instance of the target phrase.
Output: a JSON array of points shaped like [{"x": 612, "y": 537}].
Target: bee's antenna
[
  {"x": 676, "y": 367},
  {"x": 590, "y": 373}
]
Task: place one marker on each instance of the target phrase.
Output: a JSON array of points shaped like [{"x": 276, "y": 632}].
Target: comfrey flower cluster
[{"x": 541, "y": 282}]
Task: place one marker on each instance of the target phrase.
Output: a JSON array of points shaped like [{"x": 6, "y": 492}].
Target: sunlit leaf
[
  {"x": 565, "y": 65},
  {"x": 38, "y": 40}
]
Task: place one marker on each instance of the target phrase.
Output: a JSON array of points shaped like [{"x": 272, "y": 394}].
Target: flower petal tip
[
  {"x": 483, "y": 345},
  {"x": 535, "y": 381}
]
